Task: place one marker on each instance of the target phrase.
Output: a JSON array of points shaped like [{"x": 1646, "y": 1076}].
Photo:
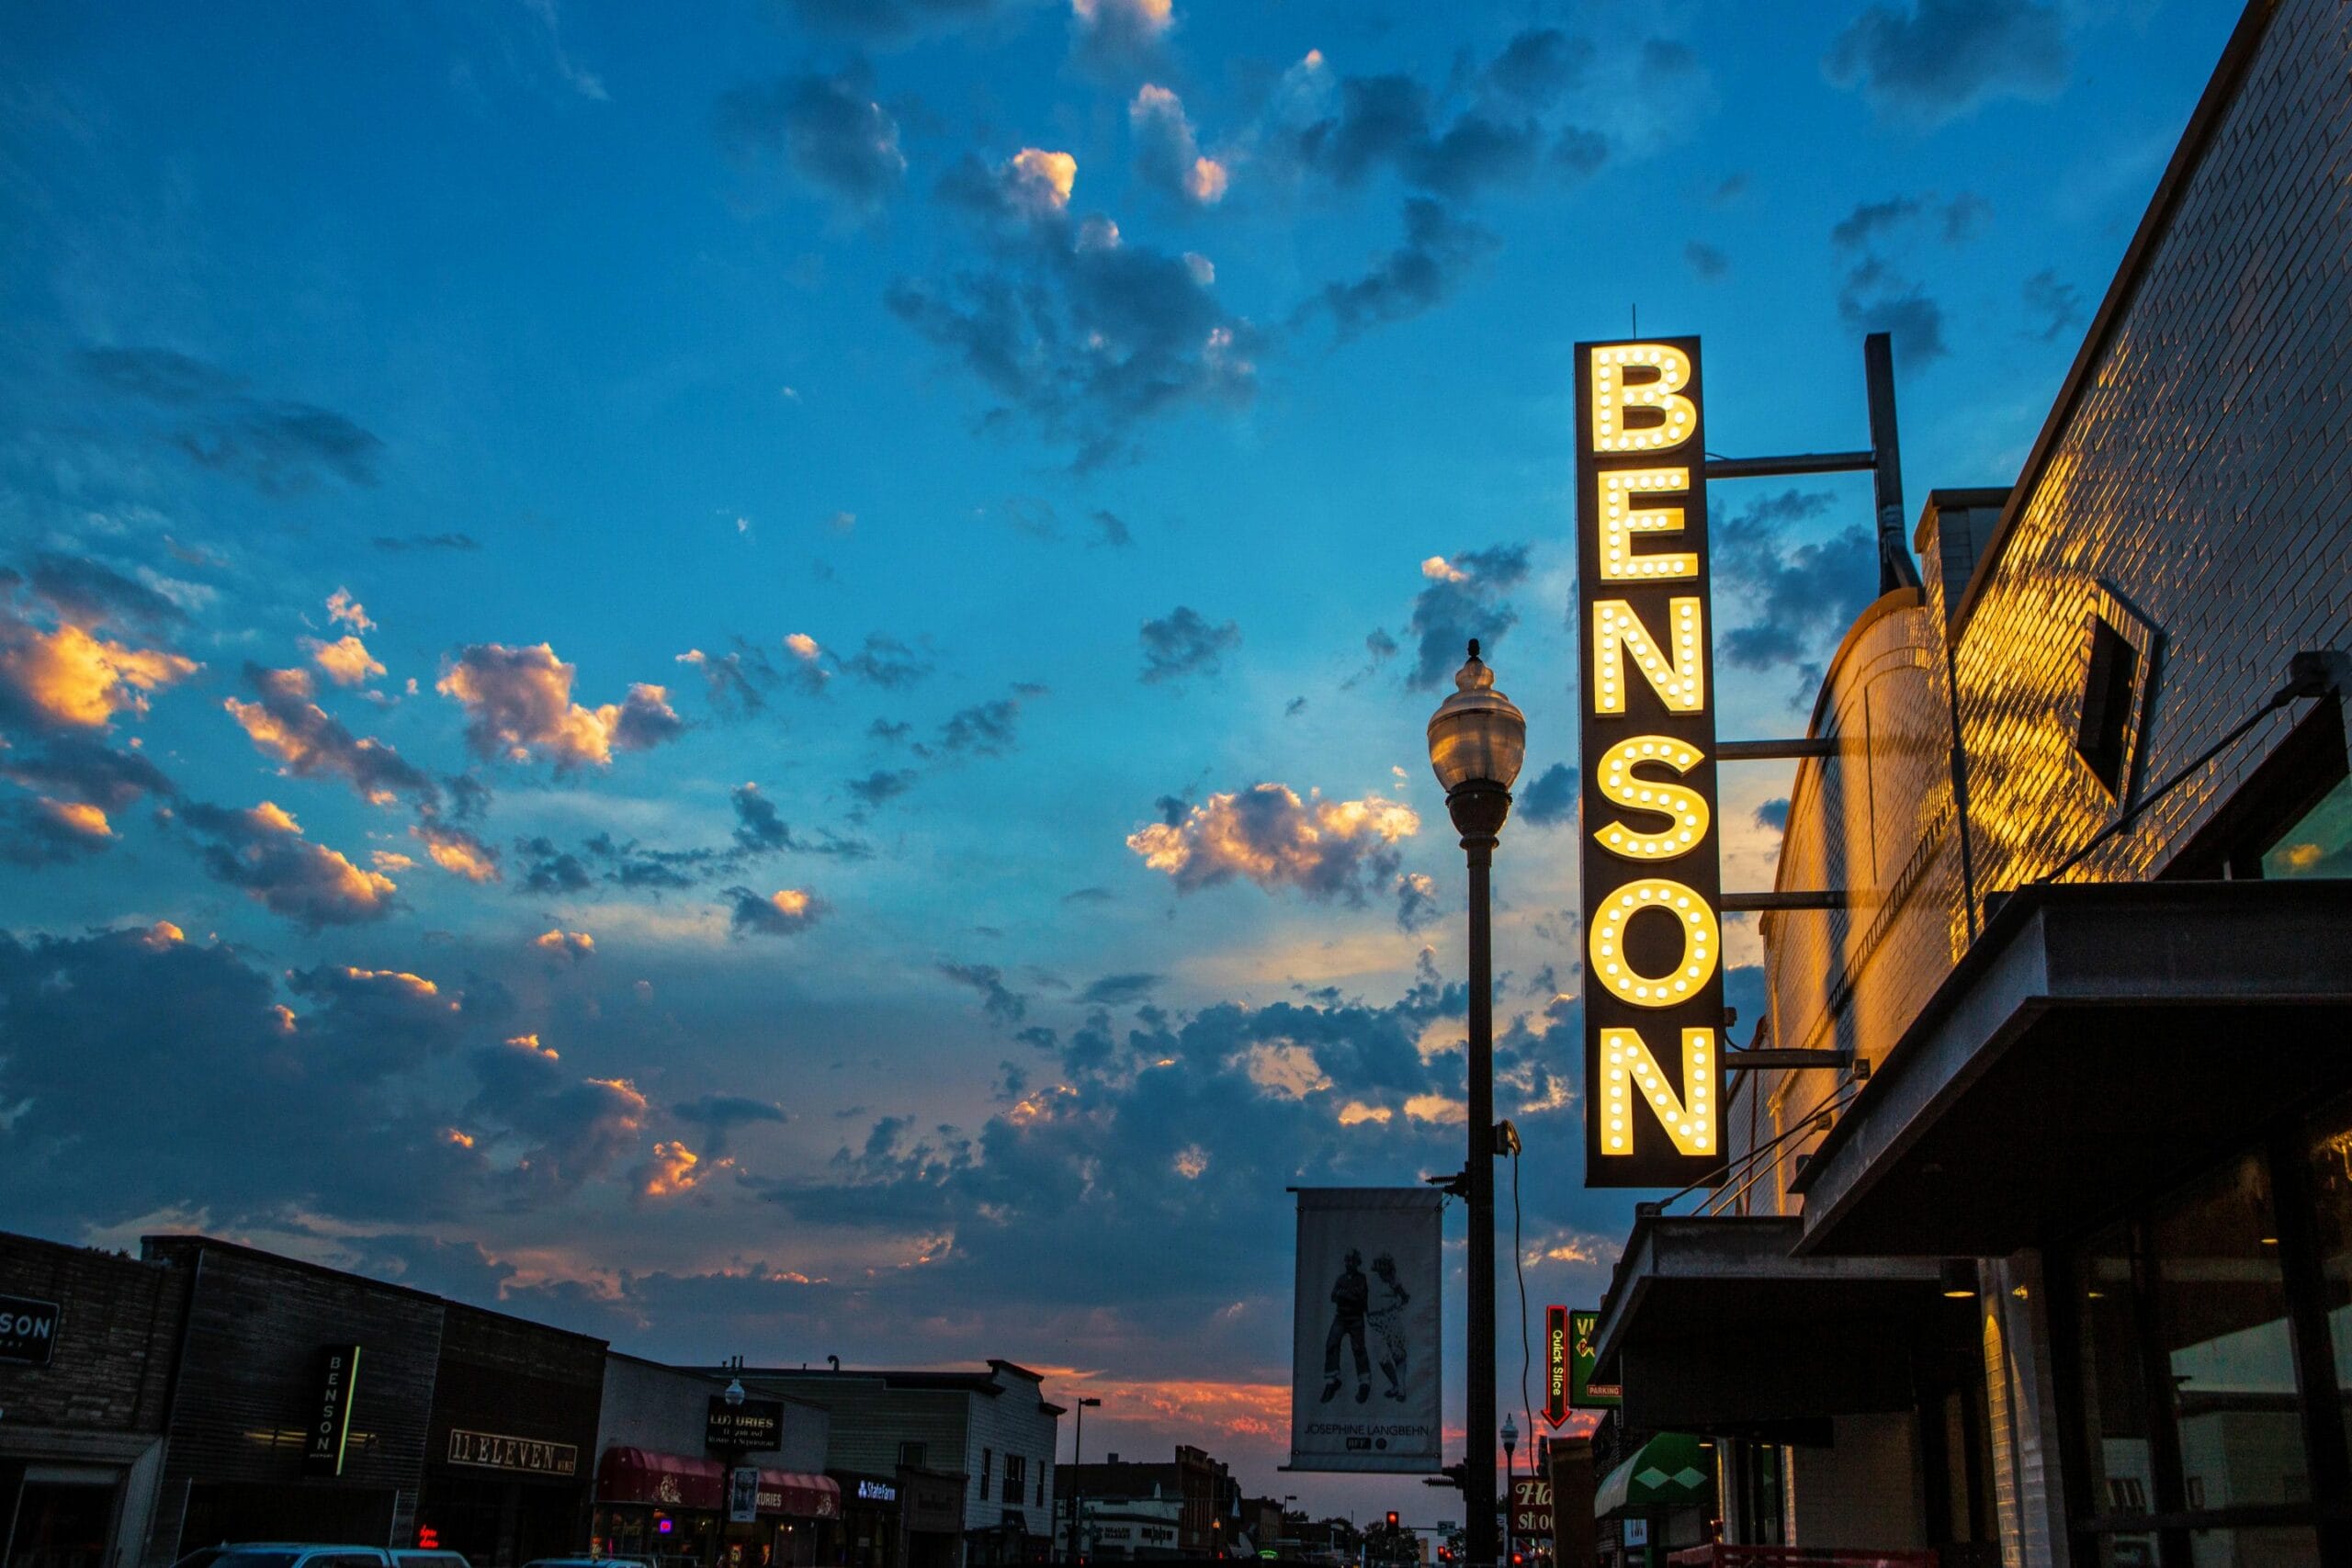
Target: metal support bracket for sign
[
  {"x": 1774, "y": 751},
  {"x": 1767, "y": 903},
  {"x": 1456, "y": 1185},
  {"x": 1452, "y": 1475},
  {"x": 1796, "y": 463},
  {"x": 1786, "y": 1061}
]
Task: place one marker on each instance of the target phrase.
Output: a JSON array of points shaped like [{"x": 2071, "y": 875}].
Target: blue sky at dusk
[{"x": 758, "y": 685}]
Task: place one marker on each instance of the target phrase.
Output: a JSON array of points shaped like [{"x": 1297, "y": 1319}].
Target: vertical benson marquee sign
[{"x": 1654, "y": 993}]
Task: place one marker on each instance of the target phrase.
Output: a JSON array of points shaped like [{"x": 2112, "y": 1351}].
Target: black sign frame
[
  {"x": 1649, "y": 1156},
  {"x": 28, "y": 1328},
  {"x": 327, "y": 1430},
  {"x": 754, "y": 1427}
]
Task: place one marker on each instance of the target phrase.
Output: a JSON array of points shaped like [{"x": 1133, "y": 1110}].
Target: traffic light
[{"x": 1392, "y": 1518}]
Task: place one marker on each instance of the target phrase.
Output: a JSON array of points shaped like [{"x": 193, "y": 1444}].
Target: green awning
[{"x": 1669, "y": 1471}]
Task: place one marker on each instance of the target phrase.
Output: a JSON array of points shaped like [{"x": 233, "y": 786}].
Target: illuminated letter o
[{"x": 1614, "y": 972}]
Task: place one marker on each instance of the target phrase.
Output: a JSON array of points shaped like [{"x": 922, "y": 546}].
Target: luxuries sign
[
  {"x": 1365, "y": 1374},
  {"x": 1654, "y": 995}
]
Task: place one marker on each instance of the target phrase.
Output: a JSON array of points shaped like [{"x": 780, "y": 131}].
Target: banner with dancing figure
[{"x": 1367, "y": 1335}]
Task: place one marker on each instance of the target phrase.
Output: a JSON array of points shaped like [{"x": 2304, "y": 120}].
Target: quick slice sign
[
  {"x": 1555, "y": 1366},
  {"x": 1652, "y": 994}
]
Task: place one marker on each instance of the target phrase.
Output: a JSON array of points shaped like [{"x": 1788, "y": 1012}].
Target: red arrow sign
[{"x": 1555, "y": 1366}]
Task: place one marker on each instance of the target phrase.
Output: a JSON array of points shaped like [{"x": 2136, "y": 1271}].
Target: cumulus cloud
[
  {"x": 292, "y": 730},
  {"x": 1325, "y": 849},
  {"x": 1923, "y": 62},
  {"x": 997, "y": 999},
  {"x": 1439, "y": 251},
  {"x": 44, "y": 832},
  {"x": 277, "y": 446},
  {"x": 1417, "y": 905},
  {"x": 735, "y": 682},
  {"x": 92, "y": 594},
  {"x": 346, "y": 660},
  {"x": 518, "y": 704},
  {"x": 828, "y": 129},
  {"x": 1087, "y": 335},
  {"x": 342, "y": 607},
  {"x": 985, "y": 729},
  {"x": 789, "y": 911},
  {"x": 1183, "y": 643},
  {"x": 887, "y": 662},
  {"x": 890, "y": 21},
  {"x": 1803, "y": 591},
  {"x": 1707, "y": 263},
  {"x": 1465, "y": 600},
  {"x": 1110, "y": 34},
  {"x": 570, "y": 946},
  {"x": 1168, "y": 153},
  {"x": 721, "y": 1115},
  {"x": 57, "y": 673},
  {"x": 458, "y": 851},
  {"x": 263, "y": 850},
  {"x": 1773, "y": 814},
  {"x": 2052, "y": 308},
  {"x": 882, "y": 785},
  {"x": 75, "y": 767},
  {"x": 1552, "y": 798}
]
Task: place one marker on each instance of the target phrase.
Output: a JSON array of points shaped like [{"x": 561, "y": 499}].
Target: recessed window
[
  {"x": 913, "y": 1456},
  {"x": 2109, "y": 683},
  {"x": 2319, "y": 845}
]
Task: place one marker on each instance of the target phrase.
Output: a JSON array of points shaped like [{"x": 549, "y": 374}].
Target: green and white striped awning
[{"x": 1669, "y": 1471}]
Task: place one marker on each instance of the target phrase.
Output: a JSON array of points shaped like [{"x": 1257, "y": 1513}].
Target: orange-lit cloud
[
  {"x": 415, "y": 986},
  {"x": 519, "y": 703},
  {"x": 458, "y": 851},
  {"x": 1269, "y": 835},
  {"x": 342, "y": 607},
  {"x": 346, "y": 659},
  {"x": 1435, "y": 1107},
  {"x": 389, "y": 860},
  {"x": 70, "y": 678},
  {"x": 1168, "y": 152},
  {"x": 73, "y": 816},
  {"x": 676, "y": 1168},
  {"x": 288, "y": 726},
  {"x": 263, "y": 850},
  {"x": 162, "y": 935},
  {"x": 1355, "y": 1113},
  {"x": 1040, "y": 182},
  {"x": 531, "y": 1043},
  {"x": 561, "y": 943},
  {"x": 786, "y": 912},
  {"x": 1437, "y": 569}
]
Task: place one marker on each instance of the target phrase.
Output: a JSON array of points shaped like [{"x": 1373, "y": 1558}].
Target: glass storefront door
[{"x": 2208, "y": 1433}]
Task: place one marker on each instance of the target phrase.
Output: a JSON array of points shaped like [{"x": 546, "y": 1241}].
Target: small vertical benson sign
[
  {"x": 1654, "y": 993},
  {"x": 329, "y": 1434}
]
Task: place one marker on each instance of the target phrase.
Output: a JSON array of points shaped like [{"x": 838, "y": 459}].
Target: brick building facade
[
  {"x": 85, "y": 1404},
  {"x": 2050, "y": 1260}
]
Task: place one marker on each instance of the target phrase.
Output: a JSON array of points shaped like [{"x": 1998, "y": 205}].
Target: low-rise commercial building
[
  {"x": 87, "y": 1340},
  {"x": 1203, "y": 1488},
  {"x": 966, "y": 1457},
  {"x": 2049, "y": 1260}
]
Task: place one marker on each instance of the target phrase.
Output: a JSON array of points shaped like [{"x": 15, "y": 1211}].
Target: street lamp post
[
  {"x": 1076, "y": 1453},
  {"x": 1510, "y": 1478},
  {"x": 1478, "y": 740}
]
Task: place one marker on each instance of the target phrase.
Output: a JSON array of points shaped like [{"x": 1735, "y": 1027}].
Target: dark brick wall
[
  {"x": 110, "y": 1367},
  {"x": 250, "y": 1373},
  {"x": 2197, "y": 492},
  {"x": 521, "y": 1380},
  {"x": 2203, "y": 479}
]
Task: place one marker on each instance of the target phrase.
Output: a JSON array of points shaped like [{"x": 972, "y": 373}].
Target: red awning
[
  {"x": 666, "y": 1480},
  {"x": 802, "y": 1496}
]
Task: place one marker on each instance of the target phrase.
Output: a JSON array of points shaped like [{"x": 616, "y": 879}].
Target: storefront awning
[
  {"x": 1672, "y": 1470},
  {"x": 2096, "y": 1042},
  {"x": 1710, "y": 1326},
  {"x": 666, "y": 1481},
  {"x": 799, "y": 1496}
]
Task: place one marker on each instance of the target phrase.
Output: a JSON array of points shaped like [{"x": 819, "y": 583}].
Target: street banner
[
  {"x": 1555, "y": 1366},
  {"x": 1583, "y": 1352},
  {"x": 1367, "y": 1373}
]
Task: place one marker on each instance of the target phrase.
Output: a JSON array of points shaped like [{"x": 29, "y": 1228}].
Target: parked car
[
  {"x": 428, "y": 1557},
  {"x": 288, "y": 1554}
]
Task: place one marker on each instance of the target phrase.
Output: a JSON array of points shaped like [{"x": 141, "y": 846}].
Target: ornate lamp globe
[{"x": 1477, "y": 736}]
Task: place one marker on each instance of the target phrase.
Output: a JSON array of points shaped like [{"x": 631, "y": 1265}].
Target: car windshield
[{"x": 255, "y": 1559}]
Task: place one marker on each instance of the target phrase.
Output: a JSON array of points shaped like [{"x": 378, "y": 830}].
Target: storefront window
[
  {"x": 2115, "y": 1396},
  {"x": 2221, "y": 1315},
  {"x": 2328, "y": 1161},
  {"x": 2319, "y": 845}
]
